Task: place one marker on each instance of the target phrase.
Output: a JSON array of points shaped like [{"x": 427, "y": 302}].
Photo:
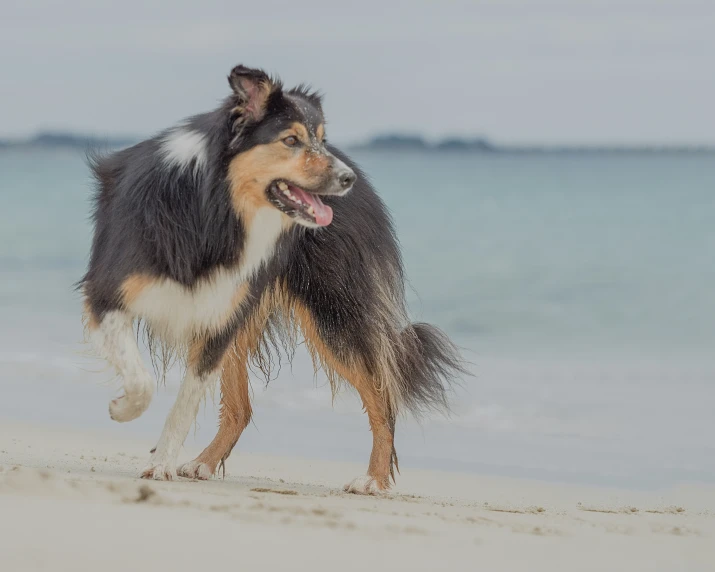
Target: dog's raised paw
[
  {"x": 159, "y": 473},
  {"x": 196, "y": 470},
  {"x": 123, "y": 409},
  {"x": 364, "y": 485}
]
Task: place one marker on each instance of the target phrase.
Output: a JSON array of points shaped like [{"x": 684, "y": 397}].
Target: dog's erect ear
[{"x": 252, "y": 88}]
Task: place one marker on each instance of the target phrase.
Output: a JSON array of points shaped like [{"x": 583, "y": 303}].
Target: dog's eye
[{"x": 291, "y": 141}]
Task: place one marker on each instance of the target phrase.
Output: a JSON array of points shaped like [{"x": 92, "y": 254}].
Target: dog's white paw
[
  {"x": 126, "y": 408},
  {"x": 159, "y": 473},
  {"x": 365, "y": 485},
  {"x": 196, "y": 470}
]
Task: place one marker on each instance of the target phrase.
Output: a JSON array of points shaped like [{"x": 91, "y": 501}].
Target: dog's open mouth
[{"x": 299, "y": 204}]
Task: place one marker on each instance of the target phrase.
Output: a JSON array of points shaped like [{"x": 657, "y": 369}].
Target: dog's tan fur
[
  {"x": 89, "y": 320},
  {"x": 133, "y": 286}
]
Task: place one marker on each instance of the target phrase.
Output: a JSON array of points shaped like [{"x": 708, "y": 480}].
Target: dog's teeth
[
  {"x": 286, "y": 192},
  {"x": 282, "y": 186},
  {"x": 311, "y": 210}
]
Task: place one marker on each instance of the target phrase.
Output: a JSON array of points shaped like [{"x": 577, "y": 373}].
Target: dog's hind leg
[
  {"x": 235, "y": 414},
  {"x": 355, "y": 326},
  {"x": 353, "y": 367},
  {"x": 113, "y": 338},
  {"x": 383, "y": 458}
]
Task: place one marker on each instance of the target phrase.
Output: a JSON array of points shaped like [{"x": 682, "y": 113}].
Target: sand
[{"x": 71, "y": 501}]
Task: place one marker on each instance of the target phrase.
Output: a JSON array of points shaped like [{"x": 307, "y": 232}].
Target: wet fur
[{"x": 180, "y": 221}]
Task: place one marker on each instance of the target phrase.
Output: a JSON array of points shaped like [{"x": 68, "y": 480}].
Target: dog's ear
[{"x": 252, "y": 88}]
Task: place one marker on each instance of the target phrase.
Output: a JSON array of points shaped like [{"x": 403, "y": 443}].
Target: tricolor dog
[{"x": 238, "y": 232}]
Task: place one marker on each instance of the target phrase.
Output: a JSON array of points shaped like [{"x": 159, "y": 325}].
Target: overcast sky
[{"x": 569, "y": 71}]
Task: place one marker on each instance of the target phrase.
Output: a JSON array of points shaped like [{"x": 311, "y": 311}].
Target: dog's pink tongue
[{"x": 323, "y": 213}]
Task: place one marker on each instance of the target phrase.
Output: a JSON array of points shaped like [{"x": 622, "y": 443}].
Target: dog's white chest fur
[{"x": 175, "y": 312}]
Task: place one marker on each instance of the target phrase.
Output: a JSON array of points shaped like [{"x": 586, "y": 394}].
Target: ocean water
[{"x": 581, "y": 287}]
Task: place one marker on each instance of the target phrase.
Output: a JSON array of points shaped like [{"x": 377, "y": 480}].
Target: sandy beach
[{"x": 71, "y": 500}]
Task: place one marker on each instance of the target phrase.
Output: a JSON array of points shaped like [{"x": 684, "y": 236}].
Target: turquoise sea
[{"x": 582, "y": 287}]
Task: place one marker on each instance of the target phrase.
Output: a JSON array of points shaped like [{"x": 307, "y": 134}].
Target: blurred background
[{"x": 550, "y": 167}]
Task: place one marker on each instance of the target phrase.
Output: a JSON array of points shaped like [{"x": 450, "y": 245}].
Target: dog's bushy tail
[{"x": 427, "y": 364}]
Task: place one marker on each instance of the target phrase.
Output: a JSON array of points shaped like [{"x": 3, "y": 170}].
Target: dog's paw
[
  {"x": 365, "y": 485},
  {"x": 196, "y": 470},
  {"x": 123, "y": 408},
  {"x": 159, "y": 473}
]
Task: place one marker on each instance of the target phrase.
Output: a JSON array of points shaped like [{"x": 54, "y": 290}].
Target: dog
[{"x": 231, "y": 236}]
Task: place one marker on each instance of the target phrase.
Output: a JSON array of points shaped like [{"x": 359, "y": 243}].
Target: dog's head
[{"x": 278, "y": 154}]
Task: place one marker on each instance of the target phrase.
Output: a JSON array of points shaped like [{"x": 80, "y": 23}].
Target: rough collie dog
[{"x": 228, "y": 237}]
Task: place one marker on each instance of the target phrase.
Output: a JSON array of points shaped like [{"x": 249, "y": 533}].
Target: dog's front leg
[
  {"x": 203, "y": 368},
  {"x": 235, "y": 412}
]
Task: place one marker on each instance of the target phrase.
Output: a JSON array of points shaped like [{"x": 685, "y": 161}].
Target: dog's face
[{"x": 279, "y": 156}]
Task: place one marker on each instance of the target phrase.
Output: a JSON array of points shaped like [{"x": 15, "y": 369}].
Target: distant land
[
  {"x": 402, "y": 142},
  {"x": 385, "y": 142},
  {"x": 67, "y": 140}
]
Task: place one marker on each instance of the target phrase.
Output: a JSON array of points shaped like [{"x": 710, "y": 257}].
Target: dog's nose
[{"x": 347, "y": 178}]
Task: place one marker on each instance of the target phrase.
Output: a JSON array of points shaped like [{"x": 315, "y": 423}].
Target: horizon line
[{"x": 392, "y": 139}]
